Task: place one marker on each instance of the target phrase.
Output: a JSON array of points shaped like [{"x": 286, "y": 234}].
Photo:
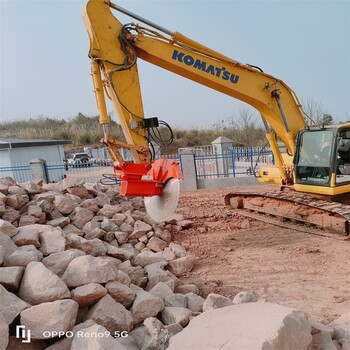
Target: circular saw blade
[{"x": 162, "y": 208}]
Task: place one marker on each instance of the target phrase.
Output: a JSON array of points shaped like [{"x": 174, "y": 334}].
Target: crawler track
[{"x": 302, "y": 208}]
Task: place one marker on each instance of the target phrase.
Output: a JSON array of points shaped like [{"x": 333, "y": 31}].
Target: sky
[{"x": 45, "y": 71}]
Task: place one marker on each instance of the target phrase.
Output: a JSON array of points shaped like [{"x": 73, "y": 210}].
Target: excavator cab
[{"x": 322, "y": 156}]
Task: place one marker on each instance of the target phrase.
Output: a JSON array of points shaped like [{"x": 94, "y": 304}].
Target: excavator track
[{"x": 295, "y": 207}]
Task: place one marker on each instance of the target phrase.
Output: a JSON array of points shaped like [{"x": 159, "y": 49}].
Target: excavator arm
[{"x": 114, "y": 50}]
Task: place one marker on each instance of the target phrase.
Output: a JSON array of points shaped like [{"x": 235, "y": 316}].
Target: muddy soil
[{"x": 297, "y": 269}]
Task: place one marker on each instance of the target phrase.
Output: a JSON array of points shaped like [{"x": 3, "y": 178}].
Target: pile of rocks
[
  {"x": 77, "y": 255},
  {"x": 83, "y": 268}
]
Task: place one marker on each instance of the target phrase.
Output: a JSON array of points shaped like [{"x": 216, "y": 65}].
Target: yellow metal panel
[{"x": 104, "y": 29}]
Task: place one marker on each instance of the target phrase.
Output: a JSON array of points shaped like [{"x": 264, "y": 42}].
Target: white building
[{"x": 15, "y": 155}]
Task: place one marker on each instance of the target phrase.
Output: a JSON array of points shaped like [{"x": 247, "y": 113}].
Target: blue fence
[{"x": 236, "y": 162}]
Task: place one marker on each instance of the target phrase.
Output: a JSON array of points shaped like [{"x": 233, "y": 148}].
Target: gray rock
[
  {"x": 156, "y": 244},
  {"x": 81, "y": 216},
  {"x": 161, "y": 290},
  {"x": 60, "y": 222},
  {"x": 158, "y": 339},
  {"x": 21, "y": 257},
  {"x": 88, "y": 294},
  {"x": 52, "y": 240},
  {"x": 140, "y": 335},
  {"x": 148, "y": 257},
  {"x": 176, "y": 299},
  {"x": 107, "y": 210},
  {"x": 39, "y": 285},
  {"x": 87, "y": 269},
  {"x": 35, "y": 210},
  {"x": 136, "y": 273},
  {"x": 94, "y": 247},
  {"x": 120, "y": 293},
  {"x": 178, "y": 250},
  {"x": 58, "y": 262},
  {"x": 48, "y": 317},
  {"x": 172, "y": 314},
  {"x": 145, "y": 305},
  {"x": 8, "y": 246},
  {"x": 182, "y": 265},
  {"x": 17, "y": 201},
  {"x": 10, "y": 277},
  {"x": 244, "y": 297},
  {"x": 122, "y": 237},
  {"x": 110, "y": 314},
  {"x": 216, "y": 301},
  {"x": 169, "y": 254},
  {"x": 7, "y": 228},
  {"x": 27, "y": 235},
  {"x": 173, "y": 329},
  {"x": 126, "y": 252},
  {"x": 10, "y": 305},
  {"x": 246, "y": 326},
  {"x": 195, "y": 302},
  {"x": 140, "y": 228},
  {"x": 156, "y": 273}
]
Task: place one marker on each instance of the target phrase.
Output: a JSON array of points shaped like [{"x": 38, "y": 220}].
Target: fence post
[
  {"x": 221, "y": 146},
  {"x": 38, "y": 169},
  {"x": 188, "y": 164}
]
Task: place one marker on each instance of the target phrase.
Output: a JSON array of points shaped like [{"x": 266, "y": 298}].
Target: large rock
[
  {"x": 10, "y": 305},
  {"x": 148, "y": 257},
  {"x": 194, "y": 302},
  {"x": 182, "y": 265},
  {"x": 110, "y": 314},
  {"x": 7, "y": 228},
  {"x": 58, "y": 262},
  {"x": 172, "y": 314},
  {"x": 145, "y": 305},
  {"x": 22, "y": 257},
  {"x": 245, "y": 327},
  {"x": 81, "y": 217},
  {"x": 156, "y": 273},
  {"x": 106, "y": 342},
  {"x": 27, "y": 235},
  {"x": 158, "y": 336},
  {"x": 8, "y": 246},
  {"x": 39, "y": 285},
  {"x": 88, "y": 294},
  {"x": 52, "y": 240},
  {"x": 87, "y": 269},
  {"x": 43, "y": 319},
  {"x": 216, "y": 301},
  {"x": 120, "y": 293},
  {"x": 10, "y": 277}
]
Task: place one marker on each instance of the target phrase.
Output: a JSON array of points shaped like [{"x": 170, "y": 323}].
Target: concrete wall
[{"x": 228, "y": 182}]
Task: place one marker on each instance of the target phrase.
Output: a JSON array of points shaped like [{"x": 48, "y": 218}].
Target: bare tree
[
  {"x": 243, "y": 128},
  {"x": 317, "y": 111}
]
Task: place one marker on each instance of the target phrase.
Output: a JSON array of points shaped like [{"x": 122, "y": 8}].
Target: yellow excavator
[{"x": 315, "y": 168}]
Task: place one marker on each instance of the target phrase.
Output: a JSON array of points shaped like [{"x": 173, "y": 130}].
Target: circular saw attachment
[{"x": 161, "y": 208}]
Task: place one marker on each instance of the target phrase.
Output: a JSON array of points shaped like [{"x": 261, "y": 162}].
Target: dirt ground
[{"x": 297, "y": 269}]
